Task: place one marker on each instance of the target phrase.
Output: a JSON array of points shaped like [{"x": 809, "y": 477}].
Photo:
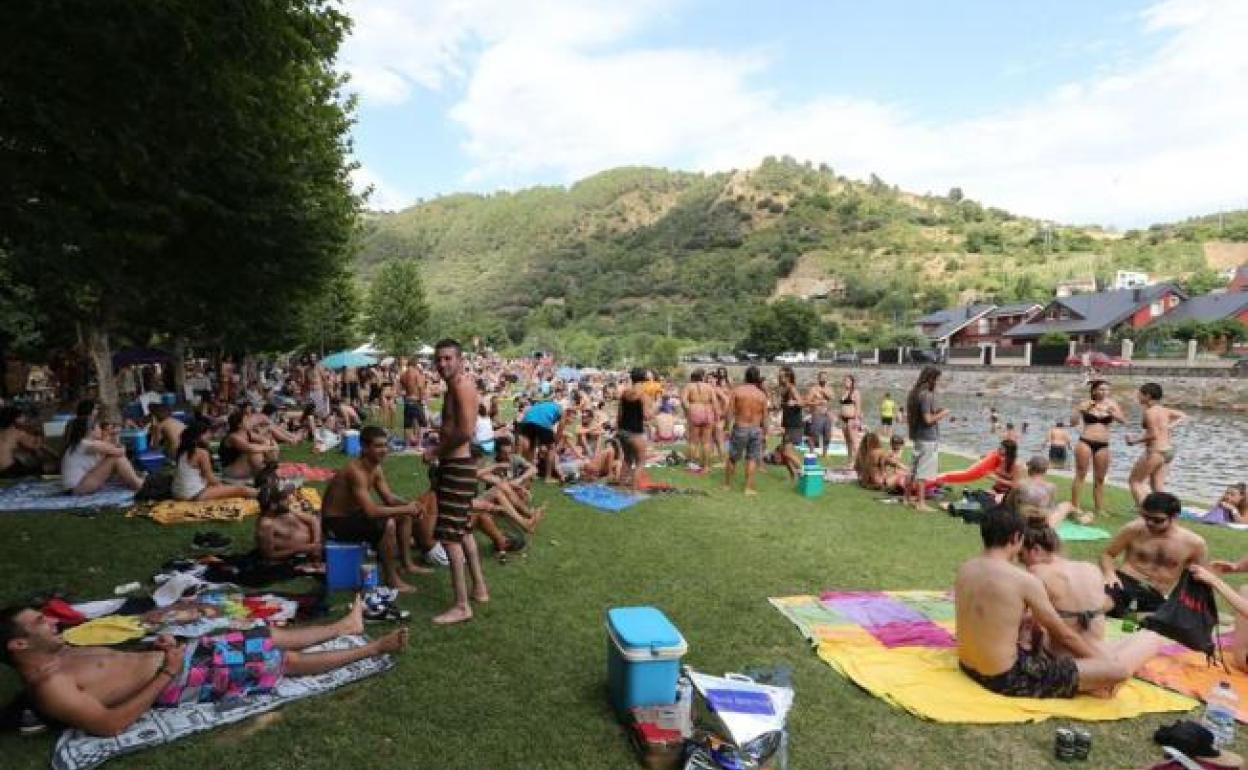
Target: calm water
[{"x": 1211, "y": 445}]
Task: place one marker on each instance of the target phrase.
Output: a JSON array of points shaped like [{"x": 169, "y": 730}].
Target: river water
[{"x": 1212, "y": 445}]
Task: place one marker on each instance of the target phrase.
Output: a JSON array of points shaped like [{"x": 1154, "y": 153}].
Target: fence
[
  {"x": 1049, "y": 355},
  {"x": 891, "y": 355},
  {"x": 966, "y": 356}
]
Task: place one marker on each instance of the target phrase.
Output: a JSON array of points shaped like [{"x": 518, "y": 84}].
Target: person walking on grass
[
  {"x": 924, "y": 417},
  {"x": 453, "y": 476}
]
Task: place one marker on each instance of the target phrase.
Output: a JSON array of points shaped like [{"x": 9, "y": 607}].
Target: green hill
[{"x": 644, "y": 251}]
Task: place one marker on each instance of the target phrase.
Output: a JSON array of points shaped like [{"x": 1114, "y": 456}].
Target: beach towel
[
  {"x": 603, "y": 497},
  {"x": 75, "y": 750},
  {"x": 51, "y": 496},
  {"x": 1189, "y": 672},
  {"x": 308, "y": 472},
  {"x": 899, "y": 646},
  {"x": 233, "y": 509},
  {"x": 1072, "y": 532}
]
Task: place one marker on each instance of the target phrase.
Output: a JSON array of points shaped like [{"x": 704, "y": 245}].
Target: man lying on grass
[
  {"x": 102, "y": 691},
  {"x": 991, "y": 597}
]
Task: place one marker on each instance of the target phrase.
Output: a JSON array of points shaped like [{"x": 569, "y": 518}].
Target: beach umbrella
[{"x": 347, "y": 358}]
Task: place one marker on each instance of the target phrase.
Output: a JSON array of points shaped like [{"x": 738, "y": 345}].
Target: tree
[
  {"x": 331, "y": 321},
  {"x": 188, "y": 173},
  {"x": 1202, "y": 282},
  {"x": 787, "y": 324},
  {"x": 397, "y": 313},
  {"x": 1053, "y": 339}
]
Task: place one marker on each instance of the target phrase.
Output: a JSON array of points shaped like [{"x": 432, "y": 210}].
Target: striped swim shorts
[{"x": 455, "y": 487}]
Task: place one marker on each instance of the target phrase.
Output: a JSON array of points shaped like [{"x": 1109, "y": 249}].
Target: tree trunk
[
  {"x": 179, "y": 368},
  {"x": 101, "y": 354}
]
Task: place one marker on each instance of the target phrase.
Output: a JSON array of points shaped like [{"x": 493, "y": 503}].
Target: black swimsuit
[{"x": 1093, "y": 419}]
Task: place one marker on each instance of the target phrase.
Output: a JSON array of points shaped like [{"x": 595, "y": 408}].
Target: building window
[
  {"x": 1156, "y": 308},
  {"x": 983, "y": 326}
]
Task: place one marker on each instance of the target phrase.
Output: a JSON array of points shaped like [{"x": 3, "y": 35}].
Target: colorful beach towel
[
  {"x": 234, "y": 509},
  {"x": 899, "y": 646},
  {"x": 51, "y": 496},
  {"x": 603, "y": 497},
  {"x": 1071, "y": 532},
  {"x": 76, "y": 750},
  {"x": 308, "y": 472},
  {"x": 1190, "y": 673}
]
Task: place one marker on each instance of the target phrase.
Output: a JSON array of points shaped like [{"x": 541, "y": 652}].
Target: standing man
[
  {"x": 1150, "y": 471},
  {"x": 413, "y": 387},
  {"x": 636, "y": 410},
  {"x": 888, "y": 414},
  {"x": 924, "y": 417},
  {"x": 818, "y": 398},
  {"x": 747, "y": 406},
  {"x": 314, "y": 376},
  {"x": 454, "y": 480}
]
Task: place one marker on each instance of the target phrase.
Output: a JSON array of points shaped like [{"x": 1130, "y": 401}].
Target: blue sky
[{"x": 1115, "y": 111}]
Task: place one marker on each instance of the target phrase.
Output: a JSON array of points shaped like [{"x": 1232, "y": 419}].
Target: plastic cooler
[
  {"x": 342, "y": 565},
  {"x": 169, "y": 399},
  {"x": 135, "y": 441},
  {"x": 351, "y": 443},
  {"x": 643, "y": 658},
  {"x": 150, "y": 460},
  {"x": 810, "y": 483}
]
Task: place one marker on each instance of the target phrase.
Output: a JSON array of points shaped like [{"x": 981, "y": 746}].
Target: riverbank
[{"x": 1188, "y": 390}]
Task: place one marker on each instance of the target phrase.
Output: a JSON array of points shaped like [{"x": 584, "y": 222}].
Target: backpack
[{"x": 1188, "y": 616}]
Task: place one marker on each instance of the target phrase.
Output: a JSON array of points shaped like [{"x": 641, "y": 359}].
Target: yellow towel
[
  {"x": 111, "y": 629},
  {"x": 928, "y": 683},
  {"x": 236, "y": 509}
]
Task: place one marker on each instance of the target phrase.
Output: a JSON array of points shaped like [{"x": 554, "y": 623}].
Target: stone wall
[{"x": 1191, "y": 388}]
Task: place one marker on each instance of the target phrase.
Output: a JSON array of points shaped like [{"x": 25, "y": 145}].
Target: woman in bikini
[
  {"x": 721, "y": 389},
  {"x": 790, "y": 421},
  {"x": 851, "y": 413},
  {"x": 1096, "y": 414},
  {"x": 698, "y": 400},
  {"x": 1150, "y": 471},
  {"x": 388, "y": 405}
]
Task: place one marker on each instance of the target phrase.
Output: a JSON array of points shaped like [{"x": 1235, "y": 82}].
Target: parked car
[
  {"x": 848, "y": 357},
  {"x": 790, "y": 358},
  {"x": 701, "y": 358},
  {"x": 1098, "y": 360},
  {"x": 727, "y": 358}
]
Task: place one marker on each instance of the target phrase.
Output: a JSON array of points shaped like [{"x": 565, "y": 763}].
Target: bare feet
[
  {"x": 399, "y": 585},
  {"x": 480, "y": 595},
  {"x": 394, "y": 641},
  {"x": 455, "y": 614},
  {"x": 415, "y": 568},
  {"x": 353, "y": 622},
  {"x": 751, "y": 492},
  {"x": 536, "y": 515}
]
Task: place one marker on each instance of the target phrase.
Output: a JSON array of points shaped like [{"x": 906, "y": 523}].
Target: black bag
[
  {"x": 1188, "y": 616},
  {"x": 157, "y": 486}
]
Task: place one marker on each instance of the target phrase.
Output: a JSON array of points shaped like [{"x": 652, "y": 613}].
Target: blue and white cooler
[{"x": 643, "y": 658}]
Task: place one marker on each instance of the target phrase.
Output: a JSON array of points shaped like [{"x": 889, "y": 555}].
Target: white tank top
[
  {"x": 188, "y": 482},
  {"x": 76, "y": 464}
]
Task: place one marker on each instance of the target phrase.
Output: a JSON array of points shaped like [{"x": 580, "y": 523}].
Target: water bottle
[
  {"x": 368, "y": 576},
  {"x": 1221, "y": 705}
]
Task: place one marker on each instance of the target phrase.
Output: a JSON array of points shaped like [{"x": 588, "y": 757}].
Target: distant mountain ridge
[{"x": 637, "y": 249}]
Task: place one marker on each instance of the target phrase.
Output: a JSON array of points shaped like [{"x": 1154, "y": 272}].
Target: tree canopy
[{"x": 398, "y": 315}]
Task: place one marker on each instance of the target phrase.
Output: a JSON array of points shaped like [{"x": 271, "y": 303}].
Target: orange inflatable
[{"x": 986, "y": 464}]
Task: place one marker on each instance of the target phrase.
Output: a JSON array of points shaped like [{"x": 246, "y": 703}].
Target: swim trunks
[
  {"x": 926, "y": 464},
  {"x": 414, "y": 414},
  {"x": 746, "y": 442},
  {"x": 355, "y": 527},
  {"x": 701, "y": 415},
  {"x": 821, "y": 428},
  {"x": 794, "y": 435},
  {"x": 455, "y": 485},
  {"x": 1057, "y": 454},
  {"x": 537, "y": 434},
  {"x": 232, "y": 664},
  {"x": 1035, "y": 674},
  {"x": 1134, "y": 595}
]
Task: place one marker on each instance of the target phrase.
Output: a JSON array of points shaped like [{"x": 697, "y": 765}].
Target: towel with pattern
[
  {"x": 603, "y": 497},
  {"x": 899, "y": 646},
  {"x": 234, "y": 509},
  {"x": 51, "y": 496}
]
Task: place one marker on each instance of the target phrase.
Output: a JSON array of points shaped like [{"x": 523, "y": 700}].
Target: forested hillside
[{"x": 632, "y": 253}]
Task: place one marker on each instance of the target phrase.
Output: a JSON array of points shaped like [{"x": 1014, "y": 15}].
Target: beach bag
[
  {"x": 1188, "y": 616},
  {"x": 157, "y": 486}
]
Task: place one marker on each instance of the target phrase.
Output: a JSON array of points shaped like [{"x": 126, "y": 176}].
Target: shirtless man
[
  {"x": 748, "y": 409},
  {"x": 165, "y": 431},
  {"x": 1150, "y": 471},
  {"x": 1157, "y": 551},
  {"x": 351, "y": 386},
  {"x": 454, "y": 480},
  {"x": 349, "y": 513},
  {"x": 1074, "y": 587},
  {"x": 102, "y": 690},
  {"x": 284, "y": 530},
  {"x": 314, "y": 377},
  {"x": 698, "y": 400},
  {"x": 818, "y": 398},
  {"x": 21, "y": 453},
  {"x": 991, "y": 596},
  {"x": 1059, "y": 444},
  {"x": 414, "y": 389}
]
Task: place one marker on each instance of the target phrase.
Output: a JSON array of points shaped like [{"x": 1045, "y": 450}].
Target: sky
[{"x": 1114, "y": 112}]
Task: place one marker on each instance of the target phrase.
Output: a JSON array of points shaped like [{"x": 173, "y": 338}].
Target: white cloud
[
  {"x": 553, "y": 89},
  {"x": 383, "y": 196}
]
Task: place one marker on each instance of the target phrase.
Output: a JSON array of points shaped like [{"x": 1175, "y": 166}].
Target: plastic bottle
[{"x": 1221, "y": 705}]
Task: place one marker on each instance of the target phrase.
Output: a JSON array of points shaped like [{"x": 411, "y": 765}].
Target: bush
[{"x": 1053, "y": 339}]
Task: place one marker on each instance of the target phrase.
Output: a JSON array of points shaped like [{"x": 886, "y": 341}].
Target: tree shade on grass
[{"x": 523, "y": 685}]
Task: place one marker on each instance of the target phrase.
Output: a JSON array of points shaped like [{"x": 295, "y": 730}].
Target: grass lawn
[{"x": 523, "y": 685}]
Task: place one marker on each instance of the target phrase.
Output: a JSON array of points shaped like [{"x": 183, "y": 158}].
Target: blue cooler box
[
  {"x": 342, "y": 565},
  {"x": 351, "y": 443},
  {"x": 643, "y": 658}
]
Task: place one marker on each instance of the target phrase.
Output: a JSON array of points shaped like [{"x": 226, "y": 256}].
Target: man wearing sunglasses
[{"x": 1156, "y": 552}]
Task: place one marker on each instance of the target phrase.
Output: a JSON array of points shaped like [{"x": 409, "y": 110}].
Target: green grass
[{"x": 524, "y": 684}]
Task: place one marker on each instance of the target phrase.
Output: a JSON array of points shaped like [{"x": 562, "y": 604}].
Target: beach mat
[
  {"x": 75, "y": 750},
  {"x": 1191, "y": 674},
  {"x": 233, "y": 509},
  {"x": 51, "y": 496},
  {"x": 603, "y": 497},
  {"x": 899, "y": 646},
  {"x": 1072, "y": 532},
  {"x": 307, "y": 472}
]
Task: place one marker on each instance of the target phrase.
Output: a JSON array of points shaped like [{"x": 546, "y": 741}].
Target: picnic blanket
[
  {"x": 51, "y": 496},
  {"x": 1189, "y": 672},
  {"x": 603, "y": 497},
  {"x": 233, "y": 509},
  {"x": 899, "y": 646},
  {"x": 1070, "y": 532},
  {"x": 308, "y": 472},
  {"x": 75, "y": 750}
]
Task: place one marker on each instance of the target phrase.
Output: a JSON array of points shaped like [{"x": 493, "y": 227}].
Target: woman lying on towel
[
  {"x": 193, "y": 478},
  {"x": 102, "y": 691},
  {"x": 93, "y": 457}
]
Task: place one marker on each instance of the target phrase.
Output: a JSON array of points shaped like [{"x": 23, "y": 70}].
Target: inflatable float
[{"x": 985, "y": 465}]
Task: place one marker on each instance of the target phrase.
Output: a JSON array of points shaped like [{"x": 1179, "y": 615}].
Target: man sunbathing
[
  {"x": 1074, "y": 587},
  {"x": 349, "y": 513},
  {"x": 1157, "y": 552},
  {"x": 991, "y": 597},
  {"x": 284, "y": 530},
  {"x": 102, "y": 691}
]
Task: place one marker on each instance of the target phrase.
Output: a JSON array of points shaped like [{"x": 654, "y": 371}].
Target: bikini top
[
  {"x": 1093, "y": 419},
  {"x": 847, "y": 401}
]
